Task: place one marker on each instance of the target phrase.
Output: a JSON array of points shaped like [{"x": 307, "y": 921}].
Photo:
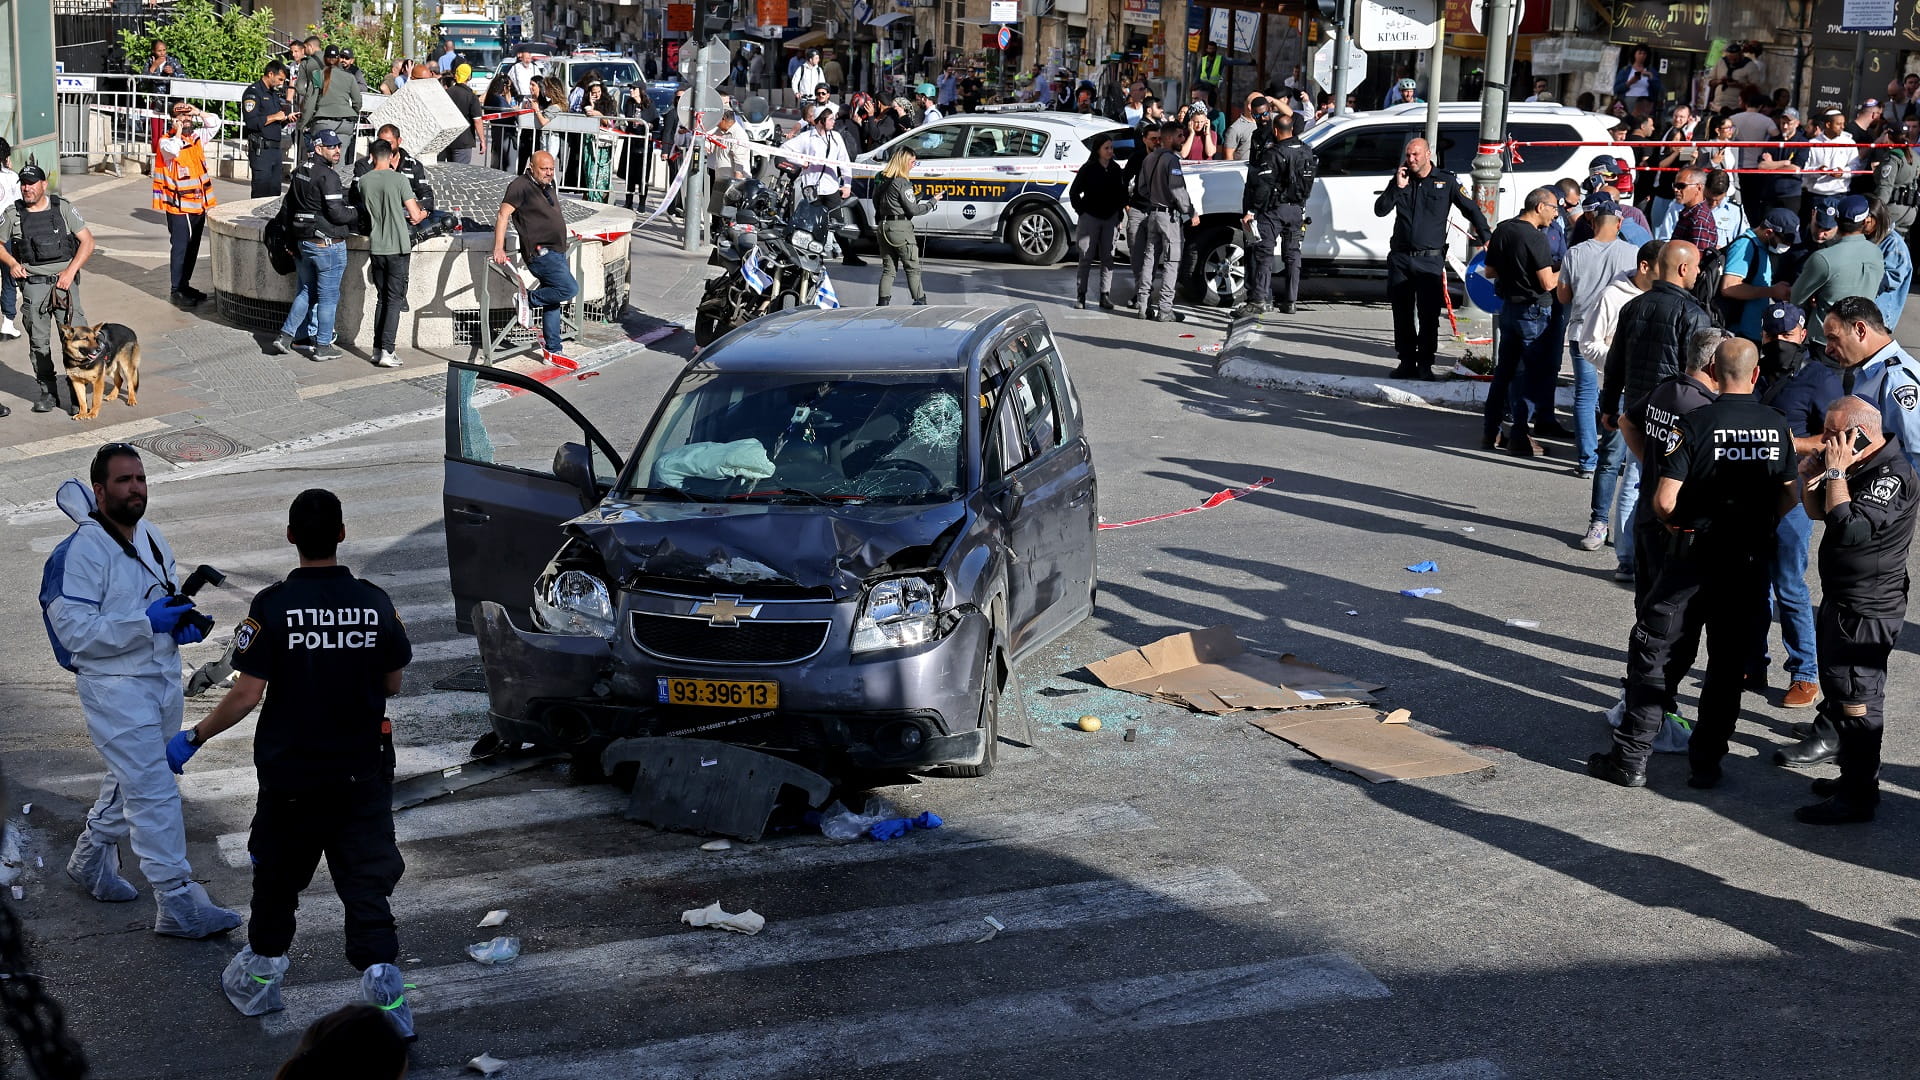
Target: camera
[{"x": 202, "y": 575}]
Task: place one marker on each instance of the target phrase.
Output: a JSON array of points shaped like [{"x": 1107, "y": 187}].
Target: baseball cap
[
  {"x": 1853, "y": 209},
  {"x": 346, "y": 54},
  {"x": 1825, "y": 217},
  {"x": 332, "y": 53},
  {"x": 1784, "y": 223},
  {"x": 1600, "y": 204},
  {"x": 1790, "y": 111},
  {"x": 327, "y": 137},
  {"x": 1604, "y": 165},
  {"x": 1782, "y": 318},
  {"x": 33, "y": 174},
  {"x": 462, "y": 72}
]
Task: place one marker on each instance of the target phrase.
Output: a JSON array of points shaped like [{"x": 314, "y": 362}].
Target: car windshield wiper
[
  {"x": 810, "y": 496},
  {"x": 674, "y": 492}
]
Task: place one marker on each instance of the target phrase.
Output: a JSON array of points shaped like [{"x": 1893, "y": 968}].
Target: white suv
[{"x": 1357, "y": 157}]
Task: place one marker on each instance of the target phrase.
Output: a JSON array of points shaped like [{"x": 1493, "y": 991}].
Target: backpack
[
  {"x": 77, "y": 500},
  {"x": 1302, "y": 165},
  {"x": 1706, "y": 287},
  {"x": 278, "y": 238}
]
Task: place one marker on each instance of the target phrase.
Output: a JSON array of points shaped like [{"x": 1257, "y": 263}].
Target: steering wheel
[{"x": 908, "y": 465}]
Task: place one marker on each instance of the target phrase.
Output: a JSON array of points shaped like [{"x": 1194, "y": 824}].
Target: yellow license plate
[{"x": 719, "y": 693}]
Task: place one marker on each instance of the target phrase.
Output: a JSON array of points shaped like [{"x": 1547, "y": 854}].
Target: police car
[{"x": 1003, "y": 175}]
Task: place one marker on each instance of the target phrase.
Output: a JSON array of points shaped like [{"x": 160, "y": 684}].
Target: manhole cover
[{"x": 192, "y": 445}]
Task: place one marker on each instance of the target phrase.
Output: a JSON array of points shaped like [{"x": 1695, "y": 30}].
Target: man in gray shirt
[
  {"x": 1850, "y": 266},
  {"x": 1239, "y": 141},
  {"x": 1584, "y": 275}
]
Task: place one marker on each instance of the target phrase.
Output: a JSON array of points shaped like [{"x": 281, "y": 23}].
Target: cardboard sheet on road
[
  {"x": 1208, "y": 671},
  {"x": 1361, "y": 742}
]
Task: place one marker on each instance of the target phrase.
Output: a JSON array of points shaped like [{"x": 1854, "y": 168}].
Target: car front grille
[{"x": 754, "y": 641}]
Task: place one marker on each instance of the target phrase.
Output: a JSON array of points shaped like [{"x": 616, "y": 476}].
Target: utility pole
[
  {"x": 1342, "y": 20},
  {"x": 1498, "y": 25},
  {"x": 406, "y": 34},
  {"x": 709, "y": 59},
  {"x": 1435, "y": 57}
]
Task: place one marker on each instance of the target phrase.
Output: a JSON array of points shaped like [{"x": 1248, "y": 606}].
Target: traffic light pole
[
  {"x": 694, "y": 194},
  {"x": 1487, "y": 163}
]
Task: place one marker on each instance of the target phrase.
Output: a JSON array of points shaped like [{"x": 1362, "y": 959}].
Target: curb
[{"x": 1255, "y": 355}]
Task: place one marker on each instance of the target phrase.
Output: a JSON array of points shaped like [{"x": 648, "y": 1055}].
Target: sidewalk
[
  {"x": 1339, "y": 343},
  {"x": 207, "y": 389}
]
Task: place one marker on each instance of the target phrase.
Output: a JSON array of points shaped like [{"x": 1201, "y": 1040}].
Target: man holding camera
[
  {"x": 184, "y": 192},
  {"x": 325, "y": 650},
  {"x": 1420, "y": 196},
  {"x": 116, "y": 611}
]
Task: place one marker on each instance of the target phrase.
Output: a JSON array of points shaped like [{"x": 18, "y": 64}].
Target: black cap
[
  {"x": 33, "y": 174},
  {"x": 332, "y": 53}
]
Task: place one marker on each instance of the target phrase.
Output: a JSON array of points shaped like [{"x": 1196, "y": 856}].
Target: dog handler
[
  {"x": 117, "y": 614},
  {"x": 53, "y": 243},
  {"x": 326, "y": 649}
]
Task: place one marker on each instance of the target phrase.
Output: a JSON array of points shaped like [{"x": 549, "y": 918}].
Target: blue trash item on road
[
  {"x": 1418, "y": 593},
  {"x": 897, "y": 827},
  {"x": 1479, "y": 290},
  {"x": 1427, "y": 567}
]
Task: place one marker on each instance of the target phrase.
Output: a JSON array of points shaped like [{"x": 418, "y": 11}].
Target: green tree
[{"x": 225, "y": 45}]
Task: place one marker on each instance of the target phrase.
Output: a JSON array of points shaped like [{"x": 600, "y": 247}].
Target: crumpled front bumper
[{"x": 574, "y": 693}]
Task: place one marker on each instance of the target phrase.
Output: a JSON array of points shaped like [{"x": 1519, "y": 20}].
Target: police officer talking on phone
[
  {"x": 1726, "y": 477},
  {"x": 1420, "y": 195},
  {"x": 326, "y": 651},
  {"x": 265, "y": 117},
  {"x": 1861, "y": 484}
]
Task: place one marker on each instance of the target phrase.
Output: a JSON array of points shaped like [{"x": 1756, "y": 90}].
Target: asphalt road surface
[{"x": 1204, "y": 901}]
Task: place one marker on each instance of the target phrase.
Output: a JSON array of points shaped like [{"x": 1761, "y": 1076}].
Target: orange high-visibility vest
[{"x": 180, "y": 186}]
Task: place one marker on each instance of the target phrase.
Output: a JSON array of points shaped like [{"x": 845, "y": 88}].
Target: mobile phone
[{"x": 1860, "y": 440}]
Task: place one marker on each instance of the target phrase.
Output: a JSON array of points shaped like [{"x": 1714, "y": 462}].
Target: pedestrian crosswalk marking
[
  {"x": 439, "y": 820},
  {"x": 552, "y": 884},
  {"x": 838, "y": 936},
  {"x": 1078, "y": 1014},
  {"x": 242, "y": 783}
]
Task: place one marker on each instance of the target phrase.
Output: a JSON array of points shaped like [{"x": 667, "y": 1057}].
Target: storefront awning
[
  {"x": 808, "y": 40},
  {"x": 889, "y": 18}
]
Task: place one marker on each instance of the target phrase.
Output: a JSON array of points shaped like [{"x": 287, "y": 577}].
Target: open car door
[{"x": 506, "y": 492}]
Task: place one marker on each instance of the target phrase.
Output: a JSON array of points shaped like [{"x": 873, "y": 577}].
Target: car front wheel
[
  {"x": 1038, "y": 236},
  {"x": 1220, "y": 267}
]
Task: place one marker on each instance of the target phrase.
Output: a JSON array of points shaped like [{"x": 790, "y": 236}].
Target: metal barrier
[
  {"x": 107, "y": 119},
  {"x": 511, "y": 339},
  {"x": 597, "y": 159}
]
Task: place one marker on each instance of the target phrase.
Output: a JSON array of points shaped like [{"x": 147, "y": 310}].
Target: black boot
[
  {"x": 1081, "y": 301},
  {"x": 1839, "y": 810},
  {"x": 1608, "y": 767},
  {"x": 883, "y": 301},
  {"x": 1106, "y": 302},
  {"x": 1816, "y": 749}
]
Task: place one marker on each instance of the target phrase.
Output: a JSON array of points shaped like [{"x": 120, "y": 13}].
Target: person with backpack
[
  {"x": 117, "y": 621},
  {"x": 46, "y": 244},
  {"x": 1278, "y": 182}
]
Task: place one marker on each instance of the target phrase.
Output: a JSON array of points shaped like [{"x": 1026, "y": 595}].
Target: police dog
[{"x": 95, "y": 354}]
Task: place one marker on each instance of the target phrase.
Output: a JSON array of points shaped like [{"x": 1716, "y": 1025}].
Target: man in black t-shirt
[
  {"x": 467, "y": 103},
  {"x": 532, "y": 206},
  {"x": 326, "y": 650},
  {"x": 1520, "y": 264},
  {"x": 1863, "y": 487},
  {"x": 1726, "y": 476}
]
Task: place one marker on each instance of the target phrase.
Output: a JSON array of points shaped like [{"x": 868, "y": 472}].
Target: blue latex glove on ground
[
  {"x": 188, "y": 634},
  {"x": 179, "y": 752},
  {"x": 898, "y": 827},
  {"x": 165, "y": 613}
]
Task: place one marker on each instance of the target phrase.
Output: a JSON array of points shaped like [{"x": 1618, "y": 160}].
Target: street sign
[
  {"x": 680, "y": 18},
  {"x": 771, "y": 12},
  {"x": 1390, "y": 25},
  {"x": 1323, "y": 62},
  {"x": 1869, "y": 15},
  {"x": 1006, "y": 36},
  {"x": 1003, "y": 11}
]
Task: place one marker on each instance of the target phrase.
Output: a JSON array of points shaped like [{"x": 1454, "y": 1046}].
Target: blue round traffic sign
[
  {"x": 1006, "y": 36},
  {"x": 1479, "y": 289}
]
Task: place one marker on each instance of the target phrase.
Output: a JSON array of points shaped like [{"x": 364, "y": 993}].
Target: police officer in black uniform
[
  {"x": 264, "y": 117},
  {"x": 1724, "y": 483},
  {"x": 326, "y": 650},
  {"x": 1275, "y": 200},
  {"x": 1862, "y": 485},
  {"x": 1421, "y": 193},
  {"x": 404, "y": 163}
]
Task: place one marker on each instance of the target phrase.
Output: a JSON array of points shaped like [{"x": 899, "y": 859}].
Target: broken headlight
[
  {"x": 573, "y": 602},
  {"x": 895, "y": 613}
]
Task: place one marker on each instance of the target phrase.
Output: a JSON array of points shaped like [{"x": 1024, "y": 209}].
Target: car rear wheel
[
  {"x": 989, "y": 726},
  {"x": 1220, "y": 267},
  {"x": 1038, "y": 236}
]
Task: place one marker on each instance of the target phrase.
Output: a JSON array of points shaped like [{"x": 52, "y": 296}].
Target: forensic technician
[
  {"x": 114, "y": 611},
  {"x": 326, "y": 651}
]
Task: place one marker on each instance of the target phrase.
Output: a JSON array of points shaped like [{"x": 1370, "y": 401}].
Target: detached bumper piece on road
[{"x": 698, "y": 785}]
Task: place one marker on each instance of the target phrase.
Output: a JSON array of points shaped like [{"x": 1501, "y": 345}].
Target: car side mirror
[
  {"x": 573, "y": 464},
  {"x": 1012, "y": 498}
]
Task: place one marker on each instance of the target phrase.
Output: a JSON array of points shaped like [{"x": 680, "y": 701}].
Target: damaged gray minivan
[{"x": 837, "y": 536}]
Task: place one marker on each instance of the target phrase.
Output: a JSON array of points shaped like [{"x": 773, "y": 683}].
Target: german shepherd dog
[{"x": 92, "y": 355}]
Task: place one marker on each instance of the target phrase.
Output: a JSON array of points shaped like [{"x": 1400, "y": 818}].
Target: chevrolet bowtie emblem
[{"x": 725, "y": 610}]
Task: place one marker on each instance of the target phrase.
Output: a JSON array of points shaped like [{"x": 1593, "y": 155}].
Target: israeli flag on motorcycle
[
  {"x": 825, "y": 298},
  {"x": 750, "y": 270}
]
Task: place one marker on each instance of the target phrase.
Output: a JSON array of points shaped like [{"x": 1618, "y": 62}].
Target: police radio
[{"x": 202, "y": 575}]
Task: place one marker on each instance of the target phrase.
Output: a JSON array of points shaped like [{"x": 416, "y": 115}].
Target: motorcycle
[{"x": 769, "y": 262}]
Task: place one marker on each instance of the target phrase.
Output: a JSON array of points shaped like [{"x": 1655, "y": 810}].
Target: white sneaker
[
  {"x": 1596, "y": 537},
  {"x": 385, "y": 359},
  {"x": 7, "y": 329}
]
